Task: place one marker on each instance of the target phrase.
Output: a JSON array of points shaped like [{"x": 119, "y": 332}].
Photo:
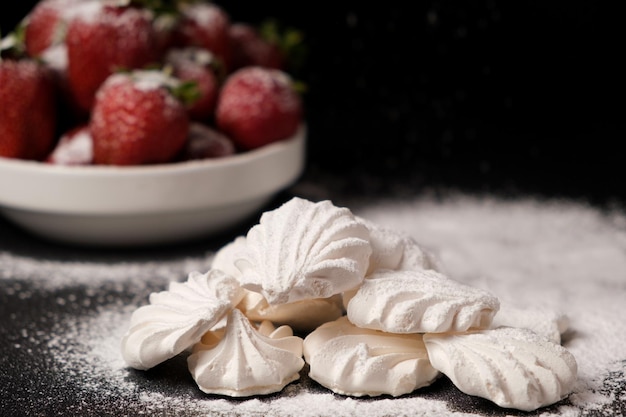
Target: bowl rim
[
  {"x": 239, "y": 158},
  {"x": 121, "y": 190}
]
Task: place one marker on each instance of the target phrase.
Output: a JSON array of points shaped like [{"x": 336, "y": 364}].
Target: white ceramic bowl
[{"x": 145, "y": 205}]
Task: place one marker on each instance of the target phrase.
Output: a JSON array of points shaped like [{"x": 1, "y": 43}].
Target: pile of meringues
[{"x": 368, "y": 309}]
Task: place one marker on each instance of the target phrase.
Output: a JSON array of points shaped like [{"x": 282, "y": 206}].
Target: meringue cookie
[
  {"x": 387, "y": 247},
  {"x": 304, "y": 250},
  {"x": 419, "y": 302},
  {"x": 246, "y": 362},
  {"x": 393, "y": 250},
  {"x": 176, "y": 319},
  {"x": 415, "y": 257},
  {"x": 302, "y": 316},
  {"x": 360, "y": 362},
  {"x": 224, "y": 258},
  {"x": 514, "y": 368},
  {"x": 543, "y": 321}
]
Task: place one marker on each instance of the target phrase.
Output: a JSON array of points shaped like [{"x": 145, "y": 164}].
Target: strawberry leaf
[
  {"x": 187, "y": 92},
  {"x": 289, "y": 40}
]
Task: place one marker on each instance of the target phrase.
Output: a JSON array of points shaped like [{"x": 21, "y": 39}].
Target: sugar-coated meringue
[
  {"x": 245, "y": 361},
  {"x": 177, "y": 318},
  {"x": 302, "y": 316},
  {"x": 419, "y": 302},
  {"x": 394, "y": 250},
  {"x": 360, "y": 362},
  {"x": 304, "y": 250},
  {"x": 224, "y": 258},
  {"x": 514, "y": 368},
  {"x": 543, "y": 321}
]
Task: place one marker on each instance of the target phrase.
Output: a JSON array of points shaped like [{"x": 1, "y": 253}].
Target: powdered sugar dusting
[{"x": 557, "y": 255}]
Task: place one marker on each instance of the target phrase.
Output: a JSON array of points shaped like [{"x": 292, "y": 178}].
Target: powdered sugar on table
[{"x": 560, "y": 256}]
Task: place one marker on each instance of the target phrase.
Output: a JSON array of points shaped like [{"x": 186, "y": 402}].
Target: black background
[{"x": 490, "y": 95}]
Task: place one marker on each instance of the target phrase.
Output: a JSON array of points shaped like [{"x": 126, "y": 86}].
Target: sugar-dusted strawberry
[
  {"x": 102, "y": 39},
  {"x": 28, "y": 117},
  {"x": 138, "y": 119},
  {"x": 205, "y": 24},
  {"x": 75, "y": 147},
  {"x": 206, "y": 142},
  {"x": 46, "y": 24},
  {"x": 250, "y": 48},
  {"x": 197, "y": 65},
  {"x": 257, "y": 106}
]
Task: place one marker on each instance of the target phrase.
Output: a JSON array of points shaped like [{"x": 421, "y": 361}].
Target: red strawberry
[
  {"x": 102, "y": 39},
  {"x": 45, "y": 25},
  {"x": 206, "y": 142},
  {"x": 197, "y": 65},
  {"x": 258, "y": 106},
  {"x": 75, "y": 147},
  {"x": 250, "y": 48},
  {"x": 206, "y": 25},
  {"x": 27, "y": 109},
  {"x": 136, "y": 119}
]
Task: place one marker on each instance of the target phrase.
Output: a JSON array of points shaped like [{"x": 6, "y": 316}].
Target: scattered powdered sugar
[
  {"x": 52, "y": 274},
  {"x": 559, "y": 256}
]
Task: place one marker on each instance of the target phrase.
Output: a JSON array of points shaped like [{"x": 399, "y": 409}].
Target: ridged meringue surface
[
  {"x": 514, "y": 368},
  {"x": 303, "y": 250},
  {"x": 419, "y": 302},
  {"x": 302, "y": 316},
  {"x": 360, "y": 362},
  {"x": 225, "y": 257},
  {"x": 245, "y": 361},
  {"x": 395, "y": 250},
  {"x": 177, "y": 318}
]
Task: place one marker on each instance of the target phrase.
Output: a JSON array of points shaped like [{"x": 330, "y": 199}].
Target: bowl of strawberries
[{"x": 124, "y": 125}]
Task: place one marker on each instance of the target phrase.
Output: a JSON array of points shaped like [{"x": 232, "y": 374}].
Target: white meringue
[
  {"x": 176, "y": 319},
  {"x": 387, "y": 247},
  {"x": 353, "y": 361},
  {"x": 543, "y": 321},
  {"x": 224, "y": 258},
  {"x": 302, "y": 316},
  {"x": 514, "y": 368},
  {"x": 246, "y": 362},
  {"x": 419, "y": 302},
  {"x": 304, "y": 250},
  {"x": 397, "y": 251}
]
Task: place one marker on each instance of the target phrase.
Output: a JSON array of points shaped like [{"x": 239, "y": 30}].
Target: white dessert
[
  {"x": 420, "y": 302},
  {"x": 360, "y": 362},
  {"x": 176, "y": 319},
  {"x": 224, "y": 258},
  {"x": 304, "y": 250},
  {"x": 514, "y": 368},
  {"x": 307, "y": 264},
  {"x": 302, "y": 316},
  {"x": 394, "y": 250},
  {"x": 244, "y": 361}
]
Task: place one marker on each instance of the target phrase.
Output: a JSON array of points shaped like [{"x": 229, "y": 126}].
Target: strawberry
[
  {"x": 196, "y": 65},
  {"x": 45, "y": 25},
  {"x": 257, "y": 106},
  {"x": 27, "y": 109},
  {"x": 250, "y": 48},
  {"x": 102, "y": 39},
  {"x": 205, "y": 24},
  {"x": 75, "y": 147},
  {"x": 206, "y": 142},
  {"x": 138, "y": 119}
]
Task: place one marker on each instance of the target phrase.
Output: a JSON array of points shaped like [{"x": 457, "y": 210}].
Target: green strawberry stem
[{"x": 290, "y": 42}]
